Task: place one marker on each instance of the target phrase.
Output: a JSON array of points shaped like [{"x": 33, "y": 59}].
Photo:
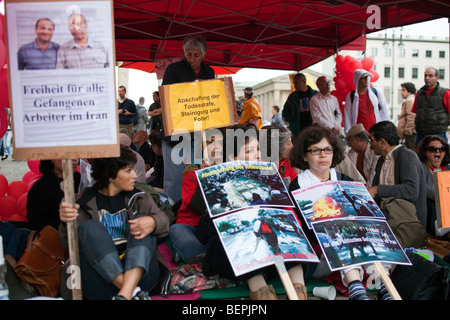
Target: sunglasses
[{"x": 436, "y": 149}]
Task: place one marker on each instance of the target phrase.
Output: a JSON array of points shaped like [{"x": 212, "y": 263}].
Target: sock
[
  {"x": 135, "y": 291},
  {"x": 384, "y": 293},
  {"x": 357, "y": 291}
]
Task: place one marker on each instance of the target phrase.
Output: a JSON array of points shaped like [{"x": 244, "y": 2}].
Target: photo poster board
[
  {"x": 242, "y": 184},
  {"x": 348, "y": 224},
  {"x": 66, "y": 110},
  {"x": 252, "y": 237},
  {"x": 198, "y": 105},
  {"x": 335, "y": 199},
  {"x": 442, "y": 198}
]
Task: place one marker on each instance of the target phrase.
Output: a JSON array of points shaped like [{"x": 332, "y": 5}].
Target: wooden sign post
[
  {"x": 387, "y": 281},
  {"x": 72, "y": 228},
  {"x": 287, "y": 283}
]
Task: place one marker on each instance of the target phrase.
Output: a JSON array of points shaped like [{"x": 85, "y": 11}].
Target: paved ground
[{"x": 13, "y": 170}]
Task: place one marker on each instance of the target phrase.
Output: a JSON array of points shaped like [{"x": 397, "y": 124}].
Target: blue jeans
[
  {"x": 6, "y": 140},
  {"x": 100, "y": 262},
  {"x": 185, "y": 242}
]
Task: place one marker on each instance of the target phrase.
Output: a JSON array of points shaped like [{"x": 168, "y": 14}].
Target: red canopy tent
[{"x": 275, "y": 34}]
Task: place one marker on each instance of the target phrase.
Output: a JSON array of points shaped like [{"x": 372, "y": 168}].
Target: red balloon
[
  {"x": 4, "y": 185},
  {"x": 34, "y": 166},
  {"x": 17, "y": 188},
  {"x": 339, "y": 59},
  {"x": 374, "y": 76},
  {"x": 2, "y": 53},
  {"x": 2, "y": 27},
  {"x": 22, "y": 204},
  {"x": 3, "y": 122},
  {"x": 367, "y": 63},
  {"x": 353, "y": 65},
  {"x": 8, "y": 207},
  {"x": 28, "y": 176},
  {"x": 31, "y": 182},
  {"x": 17, "y": 217},
  {"x": 4, "y": 91}
]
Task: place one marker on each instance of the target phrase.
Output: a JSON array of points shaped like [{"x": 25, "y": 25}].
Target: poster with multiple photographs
[
  {"x": 347, "y": 242},
  {"x": 335, "y": 199},
  {"x": 266, "y": 232},
  {"x": 237, "y": 185},
  {"x": 62, "y": 81}
]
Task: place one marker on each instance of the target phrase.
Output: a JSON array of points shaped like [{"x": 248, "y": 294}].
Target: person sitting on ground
[
  {"x": 118, "y": 226},
  {"x": 45, "y": 195},
  {"x": 182, "y": 233},
  {"x": 317, "y": 151},
  {"x": 140, "y": 138},
  {"x": 216, "y": 261},
  {"x": 433, "y": 153}
]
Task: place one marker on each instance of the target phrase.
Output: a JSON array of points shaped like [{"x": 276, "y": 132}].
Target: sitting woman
[
  {"x": 216, "y": 261},
  {"x": 118, "y": 226},
  {"x": 433, "y": 152},
  {"x": 317, "y": 151},
  {"x": 182, "y": 233},
  {"x": 45, "y": 195}
]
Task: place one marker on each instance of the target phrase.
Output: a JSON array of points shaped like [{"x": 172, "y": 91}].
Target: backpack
[
  {"x": 157, "y": 198},
  {"x": 402, "y": 219},
  {"x": 352, "y": 96}
]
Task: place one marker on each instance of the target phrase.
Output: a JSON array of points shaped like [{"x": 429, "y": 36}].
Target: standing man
[
  {"x": 432, "y": 107},
  {"x": 154, "y": 111},
  {"x": 251, "y": 110},
  {"x": 324, "y": 107},
  {"x": 277, "y": 119},
  {"x": 364, "y": 105},
  {"x": 406, "y": 127},
  {"x": 296, "y": 108},
  {"x": 127, "y": 110},
  {"x": 81, "y": 52},
  {"x": 41, "y": 53},
  {"x": 361, "y": 154},
  {"x": 142, "y": 116}
]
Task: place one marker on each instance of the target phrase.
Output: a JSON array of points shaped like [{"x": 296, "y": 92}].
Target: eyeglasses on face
[
  {"x": 436, "y": 149},
  {"x": 317, "y": 151}
]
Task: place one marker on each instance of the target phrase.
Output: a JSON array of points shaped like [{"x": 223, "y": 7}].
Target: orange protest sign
[
  {"x": 197, "y": 106},
  {"x": 442, "y": 196}
]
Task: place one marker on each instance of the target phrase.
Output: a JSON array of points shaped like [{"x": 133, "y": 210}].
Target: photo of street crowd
[
  {"x": 241, "y": 184},
  {"x": 348, "y": 242}
]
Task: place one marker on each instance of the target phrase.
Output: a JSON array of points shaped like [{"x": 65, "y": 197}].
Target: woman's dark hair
[
  {"x": 104, "y": 169},
  {"x": 421, "y": 149},
  {"x": 312, "y": 135}
]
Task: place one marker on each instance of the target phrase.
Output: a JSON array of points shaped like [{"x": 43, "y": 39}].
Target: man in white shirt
[{"x": 324, "y": 107}]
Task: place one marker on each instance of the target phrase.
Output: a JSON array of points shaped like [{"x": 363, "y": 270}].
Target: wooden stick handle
[
  {"x": 287, "y": 283},
  {"x": 72, "y": 228},
  {"x": 387, "y": 281}
]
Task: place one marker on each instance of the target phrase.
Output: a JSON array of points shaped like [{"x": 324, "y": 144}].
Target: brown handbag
[{"x": 42, "y": 262}]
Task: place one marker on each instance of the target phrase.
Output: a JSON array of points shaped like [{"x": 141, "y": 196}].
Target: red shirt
[
  {"x": 366, "y": 115},
  {"x": 185, "y": 214}
]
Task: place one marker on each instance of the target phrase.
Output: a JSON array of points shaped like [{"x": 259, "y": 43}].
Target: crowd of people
[{"x": 120, "y": 225}]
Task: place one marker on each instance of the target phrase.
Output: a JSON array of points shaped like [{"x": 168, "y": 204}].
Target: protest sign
[
  {"x": 198, "y": 105},
  {"x": 335, "y": 199},
  {"x": 442, "y": 196},
  {"x": 62, "y": 88},
  {"x": 348, "y": 241},
  {"x": 266, "y": 232},
  {"x": 236, "y": 185}
]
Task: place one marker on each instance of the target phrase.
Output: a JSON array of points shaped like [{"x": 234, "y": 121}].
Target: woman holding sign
[
  {"x": 189, "y": 69},
  {"x": 317, "y": 151},
  {"x": 118, "y": 226}
]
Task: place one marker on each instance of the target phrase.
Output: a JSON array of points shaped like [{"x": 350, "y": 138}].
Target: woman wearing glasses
[
  {"x": 317, "y": 151},
  {"x": 433, "y": 152}
]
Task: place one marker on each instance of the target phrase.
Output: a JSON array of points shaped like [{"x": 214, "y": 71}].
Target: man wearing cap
[
  {"x": 325, "y": 107},
  {"x": 363, "y": 105},
  {"x": 251, "y": 110},
  {"x": 296, "y": 108},
  {"x": 361, "y": 155}
]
